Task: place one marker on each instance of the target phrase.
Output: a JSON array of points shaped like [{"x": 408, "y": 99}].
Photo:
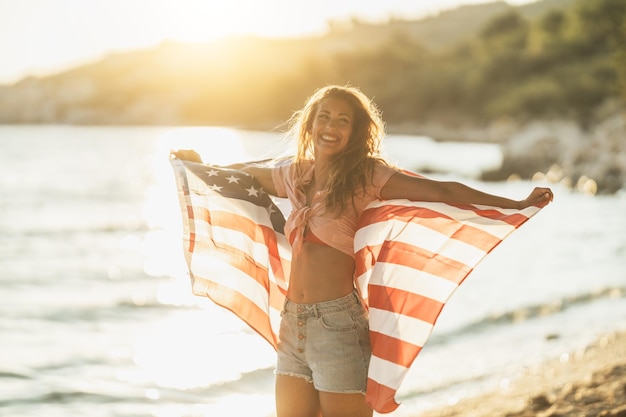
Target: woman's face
[{"x": 332, "y": 126}]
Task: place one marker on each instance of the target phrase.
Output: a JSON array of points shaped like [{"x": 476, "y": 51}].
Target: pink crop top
[
  {"x": 309, "y": 236},
  {"x": 327, "y": 228}
]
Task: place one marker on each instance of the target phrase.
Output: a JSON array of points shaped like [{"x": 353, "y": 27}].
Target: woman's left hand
[
  {"x": 186, "y": 155},
  {"x": 539, "y": 197}
]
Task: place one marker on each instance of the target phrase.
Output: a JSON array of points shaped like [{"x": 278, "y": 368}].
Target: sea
[{"x": 97, "y": 317}]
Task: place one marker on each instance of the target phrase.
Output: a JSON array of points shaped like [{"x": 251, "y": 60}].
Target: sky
[{"x": 41, "y": 37}]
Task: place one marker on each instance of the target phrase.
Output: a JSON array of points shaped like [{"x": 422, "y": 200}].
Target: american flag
[{"x": 410, "y": 256}]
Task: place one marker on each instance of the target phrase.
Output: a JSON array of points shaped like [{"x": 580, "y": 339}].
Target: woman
[{"x": 336, "y": 172}]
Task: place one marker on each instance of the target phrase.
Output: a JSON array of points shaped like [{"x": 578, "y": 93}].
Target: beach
[
  {"x": 588, "y": 382},
  {"x": 97, "y": 316}
]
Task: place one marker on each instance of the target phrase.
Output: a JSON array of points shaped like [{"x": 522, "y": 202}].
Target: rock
[
  {"x": 619, "y": 412},
  {"x": 594, "y": 160},
  {"x": 540, "y": 402},
  {"x": 616, "y": 412},
  {"x": 537, "y": 147}
]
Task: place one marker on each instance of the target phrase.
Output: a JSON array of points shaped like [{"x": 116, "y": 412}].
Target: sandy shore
[{"x": 585, "y": 383}]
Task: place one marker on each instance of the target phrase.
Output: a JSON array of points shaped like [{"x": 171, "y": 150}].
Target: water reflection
[{"x": 204, "y": 346}]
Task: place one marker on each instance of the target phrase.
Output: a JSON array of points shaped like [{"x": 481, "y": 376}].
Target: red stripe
[
  {"x": 241, "y": 259},
  {"x": 380, "y": 397},
  {"x": 235, "y": 257},
  {"x": 393, "y": 350},
  {"x": 434, "y": 220},
  {"x": 192, "y": 242},
  {"x": 248, "y": 311},
  {"x": 190, "y": 208},
  {"x": 257, "y": 232},
  {"x": 515, "y": 219},
  {"x": 400, "y": 253},
  {"x": 404, "y": 302},
  {"x": 276, "y": 296}
]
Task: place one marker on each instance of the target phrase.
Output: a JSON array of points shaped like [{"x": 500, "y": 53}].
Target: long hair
[{"x": 350, "y": 169}]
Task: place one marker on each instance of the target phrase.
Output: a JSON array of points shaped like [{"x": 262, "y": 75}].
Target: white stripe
[
  {"x": 217, "y": 203},
  {"x": 421, "y": 237},
  {"x": 401, "y": 327},
  {"x": 220, "y": 272},
  {"x": 231, "y": 237},
  {"x": 386, "y": 373},
  {"x": 527, "y": 212},
  {"x": 413, "y": 281},
  {"x": 256, "y": 250},
  {"x": 362, "y": 282},
  {"x": 224, "y": 236},
  {"x": 497, "y": 228},
  {"x": 284, "y": 248},
  {"x": 275, "y": 318},
  {"x": 373, "y": 234}
]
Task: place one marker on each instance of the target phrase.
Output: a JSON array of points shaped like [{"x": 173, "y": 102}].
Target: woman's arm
[
  {"x": 402, "y": 186},
  {"x": 263, "y": 175}
]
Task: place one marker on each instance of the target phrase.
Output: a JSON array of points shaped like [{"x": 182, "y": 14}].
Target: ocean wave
[
  {"x": 530, "y": 312},
  {"x": 14, "y": 375},
  {"x": 69, "y": 230},
  {"x": 248, "y": 383},
  {"x": 65, "y": 397},
  {"x": 117, "y": 311}
]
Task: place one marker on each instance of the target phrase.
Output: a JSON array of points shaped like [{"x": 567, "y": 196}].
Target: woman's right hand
[
  {"x": 186, "y": 155},
  {"x": 539, "y": 197}
]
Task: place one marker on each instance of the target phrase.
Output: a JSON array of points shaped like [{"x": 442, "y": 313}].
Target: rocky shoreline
[
  {"x": 592, "y": 160},
  {"x": 590, "y": 382}
]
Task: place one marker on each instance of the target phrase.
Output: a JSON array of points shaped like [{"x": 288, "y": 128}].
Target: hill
[{"x": 222, "y": 82}]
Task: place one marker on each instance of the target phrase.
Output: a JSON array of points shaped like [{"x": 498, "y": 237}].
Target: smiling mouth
[{"x": 329, "y": 139}]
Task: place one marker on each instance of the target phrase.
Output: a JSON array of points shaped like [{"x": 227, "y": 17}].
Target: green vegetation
[
  {"x": 565, "y": 64},
  {"x": 522, "y": 63}
]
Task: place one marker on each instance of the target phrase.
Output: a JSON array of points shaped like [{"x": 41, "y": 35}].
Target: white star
[
  {"x": 232, "y": 179},
  {"x": 212, "y": 173},
  {"x": 216, "y": 187},
  {"x": 252, "y": 191}
]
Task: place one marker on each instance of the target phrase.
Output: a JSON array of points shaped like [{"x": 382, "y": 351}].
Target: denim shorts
[{"x": 326, "y": 343}]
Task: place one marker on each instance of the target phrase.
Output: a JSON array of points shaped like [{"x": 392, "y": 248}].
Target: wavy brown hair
[{"x": 350, "y": 169}]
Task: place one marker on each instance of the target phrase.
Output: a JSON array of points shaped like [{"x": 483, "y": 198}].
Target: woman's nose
[{"x": 333, "y": 124}]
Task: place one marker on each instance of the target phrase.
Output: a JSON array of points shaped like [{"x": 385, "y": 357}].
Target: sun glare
[
  {"x": 52, "y": 40},
  {"x": 200, "y": 20}
]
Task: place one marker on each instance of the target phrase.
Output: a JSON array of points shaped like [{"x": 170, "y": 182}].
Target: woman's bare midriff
[{"x": 320, "y": 273}]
